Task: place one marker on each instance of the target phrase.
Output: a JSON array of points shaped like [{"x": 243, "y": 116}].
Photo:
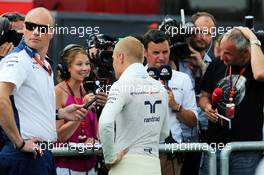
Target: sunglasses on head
[{"x": 32, "y": 26}]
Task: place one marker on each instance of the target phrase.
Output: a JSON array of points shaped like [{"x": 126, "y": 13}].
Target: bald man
[
  {"x": 135, "y": 117},
  {"x": 27, "y": 101}
]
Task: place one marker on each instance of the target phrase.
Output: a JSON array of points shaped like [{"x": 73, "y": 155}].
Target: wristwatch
[{"x": 256, "y": 41}]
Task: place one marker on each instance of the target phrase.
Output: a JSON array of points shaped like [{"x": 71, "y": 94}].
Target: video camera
[
  {"x": 249, "y": 22},
  {"x": 102, "y": 59},
  {"x": 6, "y": 33},
  {"x": 179, "y": 33},
  {"x": 102, "y": 73}
]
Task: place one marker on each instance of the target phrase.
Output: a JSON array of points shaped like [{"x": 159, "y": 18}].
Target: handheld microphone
[
  {"x": 216, "y": 97},
  {"x": 165, "y": 74},
  {"x": 153, "y": 72},
  {"x": 89, "y": 103}
]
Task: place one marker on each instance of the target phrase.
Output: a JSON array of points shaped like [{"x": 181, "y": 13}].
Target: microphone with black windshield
[
  {"x": 165, "y": 74},
  {"x": 153, "y": 72}
]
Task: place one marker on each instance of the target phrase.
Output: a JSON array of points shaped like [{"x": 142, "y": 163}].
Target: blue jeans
[
  {"x": 14, "y": 162},
  {"x": 240, "y": 163}
]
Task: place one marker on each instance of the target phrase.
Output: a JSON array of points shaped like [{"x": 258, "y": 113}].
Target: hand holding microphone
[
  {"x": 164, "y": 73},
  {"x": 216, "y": 97},
  {"x": 210, "y": 109}
]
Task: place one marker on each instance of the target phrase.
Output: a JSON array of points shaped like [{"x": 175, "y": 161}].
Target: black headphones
[{"x": 62, "y": 67}]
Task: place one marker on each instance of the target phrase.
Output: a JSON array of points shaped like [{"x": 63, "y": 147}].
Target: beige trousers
[{"x": 132, "y": 164}]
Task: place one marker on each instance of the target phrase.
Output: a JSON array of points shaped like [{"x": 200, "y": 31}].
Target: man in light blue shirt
[{"x": 195, "y": 66}]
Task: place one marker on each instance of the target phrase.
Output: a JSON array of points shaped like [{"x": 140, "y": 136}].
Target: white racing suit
[{"x": 134, "y": 117}]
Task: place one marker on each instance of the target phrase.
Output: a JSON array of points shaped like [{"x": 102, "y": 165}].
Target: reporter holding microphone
[
  {"x": 135, "y": 117},
  {"x": 181, "y": 98},
  {"x": 75, "y": 66}
]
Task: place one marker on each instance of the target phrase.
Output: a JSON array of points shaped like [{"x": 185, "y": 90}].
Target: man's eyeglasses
[{"x": 41, "y": 28}]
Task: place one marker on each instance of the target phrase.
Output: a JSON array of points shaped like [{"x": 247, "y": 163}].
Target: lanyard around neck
[
  {"x": 232, "y": 87},
  {"x": 72, "y": 94},
  {"x": 32, "y": 54},
  {"x": 83, "y": 123},
  {"x": 41, "y": 63}
]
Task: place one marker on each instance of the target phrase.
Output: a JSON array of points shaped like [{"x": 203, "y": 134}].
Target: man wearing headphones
[
  {"x": 27, "y": 101},
  {"x": 135, "y": 117}
]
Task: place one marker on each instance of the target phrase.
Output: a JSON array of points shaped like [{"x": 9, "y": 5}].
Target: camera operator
[
  {"x": 5, "y": 47},
  {"x": 195, "y": 66},
  {"x": 188, "y": 51},
  {"x": 199, "y": 40},
  {"x": 11, "y": 26},
  {"x": 16, "y": 20},
  {"x": 100, "y": 50},
  {"x": 204, "y": 24}
]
